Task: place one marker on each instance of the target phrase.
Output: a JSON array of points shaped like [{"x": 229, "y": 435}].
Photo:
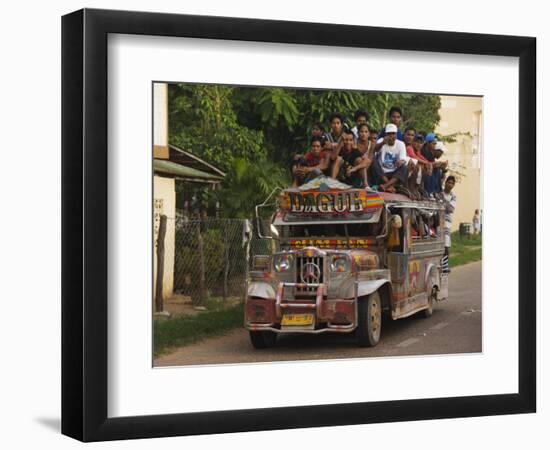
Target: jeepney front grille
[{"x": 309, "y": 269}]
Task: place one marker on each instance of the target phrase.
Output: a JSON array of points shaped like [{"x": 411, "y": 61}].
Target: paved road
[{"x": 455, "y": 327}]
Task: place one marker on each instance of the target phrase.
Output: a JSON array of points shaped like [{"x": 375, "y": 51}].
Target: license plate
[{"x": 297, "y": 319}]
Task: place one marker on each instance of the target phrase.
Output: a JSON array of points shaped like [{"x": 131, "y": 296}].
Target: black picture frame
[{"x": 84, "y": 224}]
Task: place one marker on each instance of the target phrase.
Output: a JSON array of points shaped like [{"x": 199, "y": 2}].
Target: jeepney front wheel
[
  {"x": 370, "y": 320},
  {"x": 263, "y": 339}
]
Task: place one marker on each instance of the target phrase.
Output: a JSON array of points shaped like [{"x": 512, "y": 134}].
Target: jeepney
[{"x": 342, "y": 259}]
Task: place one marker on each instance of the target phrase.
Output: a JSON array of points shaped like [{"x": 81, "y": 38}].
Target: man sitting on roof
[
  {"x": 391, "y": 161},
  {"x": 312, "y": 164},
  {"x": 350, "y": 162},
  {"x": 432, "y": 151}
]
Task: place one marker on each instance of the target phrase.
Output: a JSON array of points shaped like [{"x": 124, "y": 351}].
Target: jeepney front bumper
[{"x": 313, "y": 315}]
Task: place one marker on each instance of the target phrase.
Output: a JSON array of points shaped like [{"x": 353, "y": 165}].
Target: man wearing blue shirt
[{"x": 395, "y": 116}]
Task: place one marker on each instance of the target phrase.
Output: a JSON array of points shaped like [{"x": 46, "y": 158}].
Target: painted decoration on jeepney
[
  {"x": 414, "y": 274},
  {"x": 329, "y": 197},
  {"x": 364, "y": 262},
  {"x": 332, "y": 243}
]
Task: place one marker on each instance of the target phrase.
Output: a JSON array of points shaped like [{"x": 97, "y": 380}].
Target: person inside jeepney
[
  {"x": 429, "y": 222},
  {"x": 361, "y": 117},
  {"x": 414, "y": 224},
  {"x": 390, "y": 165},
  {"x": 313, "y": 164},
  {"x": 395, "y": 232},
  {"x": 351, "y": 162},
  {"x": 419, "y": 224},
  {"x": 395, "y": 116}
]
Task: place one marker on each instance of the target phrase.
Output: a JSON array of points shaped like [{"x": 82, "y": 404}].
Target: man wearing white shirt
[{"x": 391, "y": 161}]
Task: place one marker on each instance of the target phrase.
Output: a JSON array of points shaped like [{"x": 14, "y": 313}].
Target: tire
[
  {"x": 370, "y": 320},
  {"x": 263, "y": 339},
  {"x": 428, "y": 312}
]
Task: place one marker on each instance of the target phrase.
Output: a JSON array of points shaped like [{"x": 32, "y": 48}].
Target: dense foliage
[{"x": 251, "y": 133}]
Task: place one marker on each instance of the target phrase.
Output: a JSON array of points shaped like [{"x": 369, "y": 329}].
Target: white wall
[
  {"x": 463, "y": 115},
  {"x": 30, "y": 325},
  {"x": 165, "y": 204}
]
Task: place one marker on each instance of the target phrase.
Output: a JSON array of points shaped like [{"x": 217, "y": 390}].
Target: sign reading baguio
[{"x": 328, "y": 198}]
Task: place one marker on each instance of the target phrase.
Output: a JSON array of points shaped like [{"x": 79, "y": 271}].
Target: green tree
[
  {"x": 421, "y": 111},
  {"x": 202, "y": 119},
  {"x": 248, "y": 184}
]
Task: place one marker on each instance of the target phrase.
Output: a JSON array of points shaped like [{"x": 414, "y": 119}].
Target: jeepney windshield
[{"x": 329, "y": 230}]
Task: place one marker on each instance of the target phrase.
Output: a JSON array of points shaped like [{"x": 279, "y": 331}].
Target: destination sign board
[{"x": 330, "y": 202}]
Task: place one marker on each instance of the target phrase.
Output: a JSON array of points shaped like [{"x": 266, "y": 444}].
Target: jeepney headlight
[
  {"x": 340, "y": 263},
  {"x": 283, "y": 263}
]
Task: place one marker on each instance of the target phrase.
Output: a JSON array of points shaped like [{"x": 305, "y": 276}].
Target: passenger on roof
[
  {"x": 395, "y": 116},
  {"x": 433, "y": 151},
  {"x": 415, "y": 177},
  {"x": 354, "y": 162},
  {"x": 313, "y": 164},
  {"x": 361, "y": 117},
  {"x": 366, "y": 147},
  {"x": 390, "y": 165},
  {"x": 349, "y": 162},
  {"x": 373, "y": 136},
  {"x": 318, "y": 130},
  {"x": 334, "y": 137}
]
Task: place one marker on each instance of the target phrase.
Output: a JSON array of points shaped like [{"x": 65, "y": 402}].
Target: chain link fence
[{"x": 210, "y": 260}]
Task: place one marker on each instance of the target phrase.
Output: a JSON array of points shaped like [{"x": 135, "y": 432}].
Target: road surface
[{"x": 455, "y": 327}]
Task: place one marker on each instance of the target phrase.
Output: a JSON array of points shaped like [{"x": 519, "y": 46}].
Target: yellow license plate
[{"x": 297, "y": 319}]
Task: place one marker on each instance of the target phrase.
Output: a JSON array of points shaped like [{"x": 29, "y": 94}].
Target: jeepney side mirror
[
  {"x": 274, "y": 231},
  {"x": 265, "y": 232}
]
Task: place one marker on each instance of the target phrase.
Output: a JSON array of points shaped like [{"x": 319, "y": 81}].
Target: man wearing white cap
[{"x": 390, "y": 163}]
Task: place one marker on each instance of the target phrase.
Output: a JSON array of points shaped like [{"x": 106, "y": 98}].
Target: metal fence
[{"x": 210, "y": 258}]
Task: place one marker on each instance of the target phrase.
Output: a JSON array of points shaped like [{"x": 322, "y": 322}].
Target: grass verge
[
  {"x": 188, "y": 329},
  {"x": 464, "y": 249}
]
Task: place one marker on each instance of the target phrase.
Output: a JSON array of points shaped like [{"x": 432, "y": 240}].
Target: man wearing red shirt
[{"x": 314, "y": 163}]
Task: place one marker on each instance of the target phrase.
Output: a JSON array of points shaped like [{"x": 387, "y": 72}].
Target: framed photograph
[{"x": 273, "y": 225}]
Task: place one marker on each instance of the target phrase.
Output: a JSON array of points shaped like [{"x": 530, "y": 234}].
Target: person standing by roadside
[
  {"x": 449, "y": 198},
  {"x": 476, "y": 222}
]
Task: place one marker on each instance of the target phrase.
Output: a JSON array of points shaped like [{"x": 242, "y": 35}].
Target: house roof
[
  {"x": 188, "y": 159},
  {"x": 176, "y": 170}
]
